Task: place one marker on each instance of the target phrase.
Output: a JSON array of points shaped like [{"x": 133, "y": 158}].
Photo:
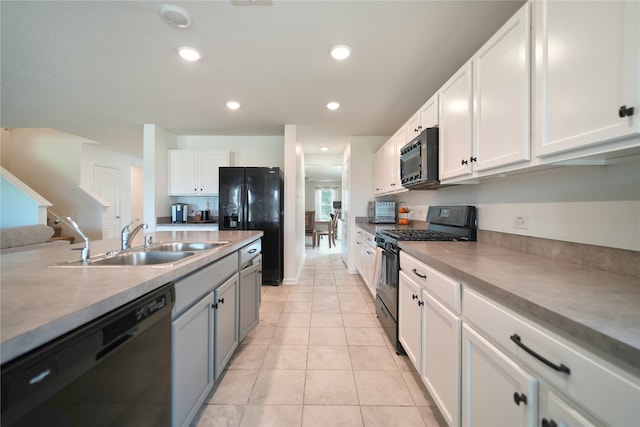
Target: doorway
[{"x": 106, "y": 183}]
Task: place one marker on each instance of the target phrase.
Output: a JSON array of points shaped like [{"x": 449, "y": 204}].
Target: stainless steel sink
[
  {"x": 186, "y": 246},
  {"x": 131, "y": 258}
]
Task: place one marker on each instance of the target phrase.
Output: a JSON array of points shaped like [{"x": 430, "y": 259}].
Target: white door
[{"x": 106, "y": 183}]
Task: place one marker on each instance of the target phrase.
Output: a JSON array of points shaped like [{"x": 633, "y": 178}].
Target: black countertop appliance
[{"x": 252, "y": 198}]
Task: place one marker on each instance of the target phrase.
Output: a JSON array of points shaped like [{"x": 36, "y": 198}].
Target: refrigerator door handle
[{"x": 244, "y": 200}]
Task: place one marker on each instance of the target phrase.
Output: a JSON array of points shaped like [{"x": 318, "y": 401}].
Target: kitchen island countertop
[{"x": 39, "y": 303}]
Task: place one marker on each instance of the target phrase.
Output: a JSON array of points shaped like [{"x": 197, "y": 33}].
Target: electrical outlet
[{"x": 521, "y": 222}]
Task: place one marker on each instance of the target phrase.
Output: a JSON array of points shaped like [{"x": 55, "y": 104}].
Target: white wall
[
  {"x": 244, "y": 150},
  {"x": 50, "y": 162},
  {"x": 294, "y": 250},
  {"x": 359, "y": 189},
  {"x": 156, "y": 142},
  {"x": 597, "y": 205},
  {"x": 310, "y": 192}
]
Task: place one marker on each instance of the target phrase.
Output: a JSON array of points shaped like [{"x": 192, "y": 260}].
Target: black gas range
[{"x": 446, "y": 224}]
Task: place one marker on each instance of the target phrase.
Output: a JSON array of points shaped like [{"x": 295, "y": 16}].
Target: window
[{"x": 324, "y": 203}]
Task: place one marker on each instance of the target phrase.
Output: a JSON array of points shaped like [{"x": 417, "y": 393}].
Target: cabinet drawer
[
  {"x": 193, "y": 286},
  {"x": 437, "y": 284},
  {"x": 249, "y": 252},
  {"x": 606, "y": 391},
  {"x": 369, "y": 240}
]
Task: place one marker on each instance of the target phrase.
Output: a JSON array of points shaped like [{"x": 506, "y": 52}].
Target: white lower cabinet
[
  {"x": 441, "y": 357},
  {"x": 192, "y": 373},
  {"x": 575, "y": 384},
  {"x": 557, "y": 412},
  {"x": 496, "y": 391},
  {"x": 225, "y": 323},
  {"x": 485, "y": 365},
  {"x": 365, "y": 259},
  {"x": 410, "y": 319},
  {"x": 429, "y": 329}
]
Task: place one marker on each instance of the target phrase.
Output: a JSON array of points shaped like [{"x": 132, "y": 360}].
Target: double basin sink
[{"x": 157, "y": 254}]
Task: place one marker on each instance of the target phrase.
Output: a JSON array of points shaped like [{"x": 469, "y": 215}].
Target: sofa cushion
[{"x": 24, "y": 235}]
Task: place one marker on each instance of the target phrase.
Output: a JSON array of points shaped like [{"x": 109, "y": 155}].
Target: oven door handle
[{"x": 422, "y": 276}]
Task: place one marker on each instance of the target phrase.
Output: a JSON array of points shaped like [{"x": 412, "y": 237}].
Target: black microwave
[{"x": 419, "y": 161}]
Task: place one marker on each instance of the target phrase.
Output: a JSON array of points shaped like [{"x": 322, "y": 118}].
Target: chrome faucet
[
  {"x": 127, "y": 235},
  {"x": 84, "y": 252}
]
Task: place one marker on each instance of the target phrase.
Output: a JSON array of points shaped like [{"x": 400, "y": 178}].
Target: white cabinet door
[
  {"x": 410, "y": 319},
  {"x": 368, "y": 266},
  {"x": 183, "y": 172},
  {"x": 586, "y": 68},
  {"x": 556, "y": 412},
  {"x": 192, "y": 373},
  {"x": 442, "y": 356},
  {"x": 501, "y": 101},
  {"x": 413, "y": 127},
  {"x": 496, "y": 391},
  {"x": 226, "y": 326},
  {"x": 429, "y": 113},
  {"x": 358, "y": 251},
  {"x": 249, "y": 297},
  {"x": 392, "y": 161},
  {"x": 210, "y": 161},
  {"x": 195, "y": 172},
  {"x": 456, "y": 125},
  {"x": 378, "y": 171}
]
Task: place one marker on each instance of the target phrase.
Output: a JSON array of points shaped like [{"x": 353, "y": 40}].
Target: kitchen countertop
[
  {"x": 598, "y": 308},
  {"x": 39, "y": 303}
]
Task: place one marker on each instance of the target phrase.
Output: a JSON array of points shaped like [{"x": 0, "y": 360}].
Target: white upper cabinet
[
  {"x": 413, "y": 127},
  {"x": 586, "y": 73},
  {"x": 195, "y": 173},
  {"x": 484, "y": 108},
  {"x": 456, "y": 100},
  {"x": 429, "y": 113},
  {"x": 379, "y": 174},
  {"x": 501, "y": 101},
  {"x": 387, "y": 165}
]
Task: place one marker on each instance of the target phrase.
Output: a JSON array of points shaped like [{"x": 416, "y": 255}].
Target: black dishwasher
[{"x": 113, "y": 371}]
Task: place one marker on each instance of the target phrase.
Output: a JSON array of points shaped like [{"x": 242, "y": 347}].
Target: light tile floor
[{"x": 319, "y": 357}]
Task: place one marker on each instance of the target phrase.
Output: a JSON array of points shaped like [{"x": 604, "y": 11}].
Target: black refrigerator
[{"x": 252, "y": 198}]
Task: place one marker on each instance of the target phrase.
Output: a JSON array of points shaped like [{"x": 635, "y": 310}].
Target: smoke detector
[{"x": 175, "y": 16}]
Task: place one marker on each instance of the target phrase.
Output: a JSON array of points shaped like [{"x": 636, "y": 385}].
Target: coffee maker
[{"x": 179, "y": 213}]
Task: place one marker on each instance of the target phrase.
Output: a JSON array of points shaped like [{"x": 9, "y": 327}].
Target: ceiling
[{"x": 102, "y": 69}]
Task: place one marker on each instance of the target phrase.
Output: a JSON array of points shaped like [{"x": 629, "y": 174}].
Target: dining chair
[
  {"x": 330, "y": 232},
  {"x": 310, "y": 226}
]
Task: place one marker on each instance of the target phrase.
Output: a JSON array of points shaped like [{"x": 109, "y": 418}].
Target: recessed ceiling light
[
  {"x": 333, "y": 106},
  {"x": 324, "y": 148},
  {"x": 341, "y": 51},
  {"x": 189, "y": 53},
  {"x": 233, "y": 105},
  {"x": 175, "y": 16}
]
